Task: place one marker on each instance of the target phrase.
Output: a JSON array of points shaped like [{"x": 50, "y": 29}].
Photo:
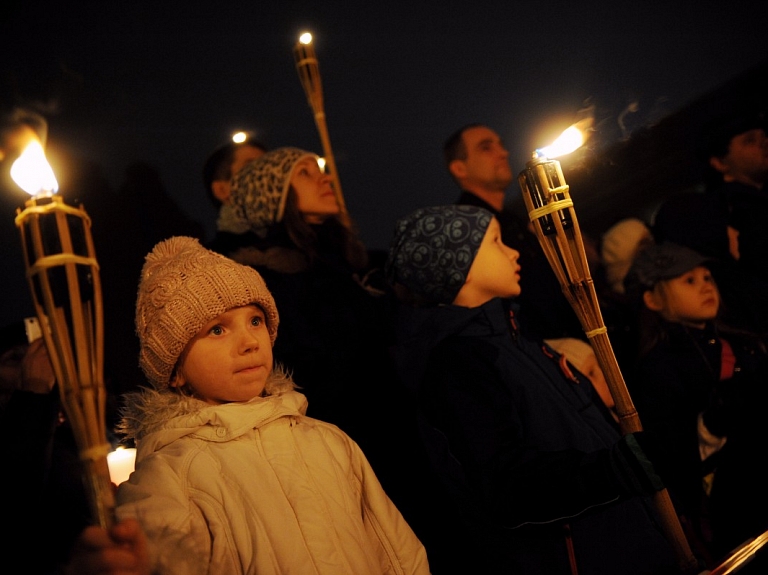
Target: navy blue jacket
[{"x": 527, "y": 451}]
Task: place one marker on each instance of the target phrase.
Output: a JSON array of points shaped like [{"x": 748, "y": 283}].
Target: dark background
[{"x": 136, "y": 96}]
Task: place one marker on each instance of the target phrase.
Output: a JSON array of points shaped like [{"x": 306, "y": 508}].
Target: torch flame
[
  {"x": 305, "y": 38},
  {"x": 570, "y": 140},
  {"x": 32, "y": 172}
]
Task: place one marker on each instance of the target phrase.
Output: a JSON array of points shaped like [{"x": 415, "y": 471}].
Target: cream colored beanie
[
  {"x": 182, "y": 287},
  {"x": 619, "y": 245}
]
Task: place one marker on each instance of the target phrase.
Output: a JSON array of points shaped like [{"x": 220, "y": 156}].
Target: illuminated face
[
  {"x": 487, "y": 163},
  {"x": 229, "y": 359},
  {"x": 690, "y": 299},
  {"x": 747, "y": 158},
  {"x": 494, "y": 271},
  {"x": 314, "y": 195}
]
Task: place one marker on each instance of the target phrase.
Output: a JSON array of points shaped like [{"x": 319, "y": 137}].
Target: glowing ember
[{"x": 32, "y": 172}]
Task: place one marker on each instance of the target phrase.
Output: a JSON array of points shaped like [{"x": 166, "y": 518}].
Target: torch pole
[
  {"x": 550, "y": 209},
  {"x": 309, "y": 74},
  {"x": 64, "y": 279}
]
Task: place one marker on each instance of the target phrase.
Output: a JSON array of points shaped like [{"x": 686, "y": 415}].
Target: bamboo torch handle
[
  {"x": 309, "y": 74},
  {"x": 550, "y": 209}
]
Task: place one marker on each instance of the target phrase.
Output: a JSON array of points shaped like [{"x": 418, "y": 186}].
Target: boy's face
[
  {"x": 229, "y": 359},
  {"x": 691, "y": 298},
  {"x": 494, "y": 271}
]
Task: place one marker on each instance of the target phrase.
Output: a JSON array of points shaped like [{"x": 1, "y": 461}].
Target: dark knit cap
[
  {"x": 433, "y": 249},
  {"x": 717, "y": 133}
]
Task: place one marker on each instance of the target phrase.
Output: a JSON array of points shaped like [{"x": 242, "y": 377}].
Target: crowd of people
[{"x": 313, "y": 407}]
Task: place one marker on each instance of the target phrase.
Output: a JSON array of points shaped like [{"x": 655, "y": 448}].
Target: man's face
[
  {"x": 747, "y": 158},
  {"x": 487, "y": 163}
]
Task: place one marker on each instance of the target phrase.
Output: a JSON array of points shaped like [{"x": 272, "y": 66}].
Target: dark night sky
[{"x": 165, "y": 83}]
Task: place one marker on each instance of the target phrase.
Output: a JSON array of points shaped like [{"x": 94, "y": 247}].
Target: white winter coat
[{"x": 258, "y": 488}]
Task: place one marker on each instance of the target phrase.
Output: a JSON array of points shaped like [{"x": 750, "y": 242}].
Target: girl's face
[
  {"x": 229, "y": 359},
  {"x": 315, "y": 198},
  {"x": 690, "y": 299}
]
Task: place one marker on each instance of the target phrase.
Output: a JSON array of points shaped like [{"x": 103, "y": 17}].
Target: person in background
[
  {"x": 219, "y": 168},
  {"x": 231, "y": 476},
  {"x": 735, "y": 147},
  {"x": 581, "y": 355},
  {"x": 619, "y": 245},
  {"x": 694, "y": 220},
  {"x": 537, "y": 471},
  {"x": 699, "y": 388},
  {"x": 42, "y": 480},
  {"x": 478, "y": 161}
]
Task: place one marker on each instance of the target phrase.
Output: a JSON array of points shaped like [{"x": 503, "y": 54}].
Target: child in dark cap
[
  {"x": 693, "y": 385},
  {"x": 542, "y": 479}
]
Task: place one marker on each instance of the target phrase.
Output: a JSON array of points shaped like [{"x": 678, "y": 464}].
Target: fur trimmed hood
[{"x": 150, "y": 411}]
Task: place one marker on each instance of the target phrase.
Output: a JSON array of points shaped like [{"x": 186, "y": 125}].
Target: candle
[{"x": 121, "y": 463}]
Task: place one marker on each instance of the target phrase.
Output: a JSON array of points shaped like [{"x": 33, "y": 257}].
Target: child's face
[
  {"x": 691, "y": 298},
  {"x": 494, "y": 272},
  {"x": 315, "y": 197},
  {"x": 229, "y": 359}
]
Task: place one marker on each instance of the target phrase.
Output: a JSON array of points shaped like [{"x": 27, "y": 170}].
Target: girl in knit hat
[
  {"x": 231, "y": 475},
  {"x": 534, "y": 463}
]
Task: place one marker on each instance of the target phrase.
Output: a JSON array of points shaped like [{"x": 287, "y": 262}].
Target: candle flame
[
  {"x": 305, "y": 38},
  {"x": 570, "y": 140},
  {"x": 32, "y": 172}
]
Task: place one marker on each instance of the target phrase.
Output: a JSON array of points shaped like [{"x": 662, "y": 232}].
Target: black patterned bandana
[
  {"x": 260, "y": 188},
  {"x": 433, "y": 249}
]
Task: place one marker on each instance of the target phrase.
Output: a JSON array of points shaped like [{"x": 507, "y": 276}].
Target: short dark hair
[
  {"x": 218, "y": 166},
  {"x": 454, "y": 147},
  {"x": 717, "y": 134}
]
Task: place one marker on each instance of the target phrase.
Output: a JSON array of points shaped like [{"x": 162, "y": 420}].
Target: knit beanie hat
[
  {"x": 618, "y": 248},
  {"x": 260, "y": 188},
  {"x": 433, "y": 249},
  {"x": 182, "y": 287}
]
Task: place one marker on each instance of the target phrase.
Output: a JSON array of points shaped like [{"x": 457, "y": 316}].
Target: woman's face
[{"x": 315, "y": 197}]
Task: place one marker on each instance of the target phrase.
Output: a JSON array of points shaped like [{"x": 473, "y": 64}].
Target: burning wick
[{"x": 32, "y": 172}]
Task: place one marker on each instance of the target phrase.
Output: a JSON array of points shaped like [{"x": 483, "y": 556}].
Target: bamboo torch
[
  {"x": 550, "y": 209},
  {"x": 309, "y": 74},
  {"x": 63, "y": 276}
]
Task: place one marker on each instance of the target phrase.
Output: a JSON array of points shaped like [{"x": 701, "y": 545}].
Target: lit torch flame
[
  {"x": 305, "y": 38},
  {"x": 32, "y": 172},
  {"x": 569, "y": 141}
]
